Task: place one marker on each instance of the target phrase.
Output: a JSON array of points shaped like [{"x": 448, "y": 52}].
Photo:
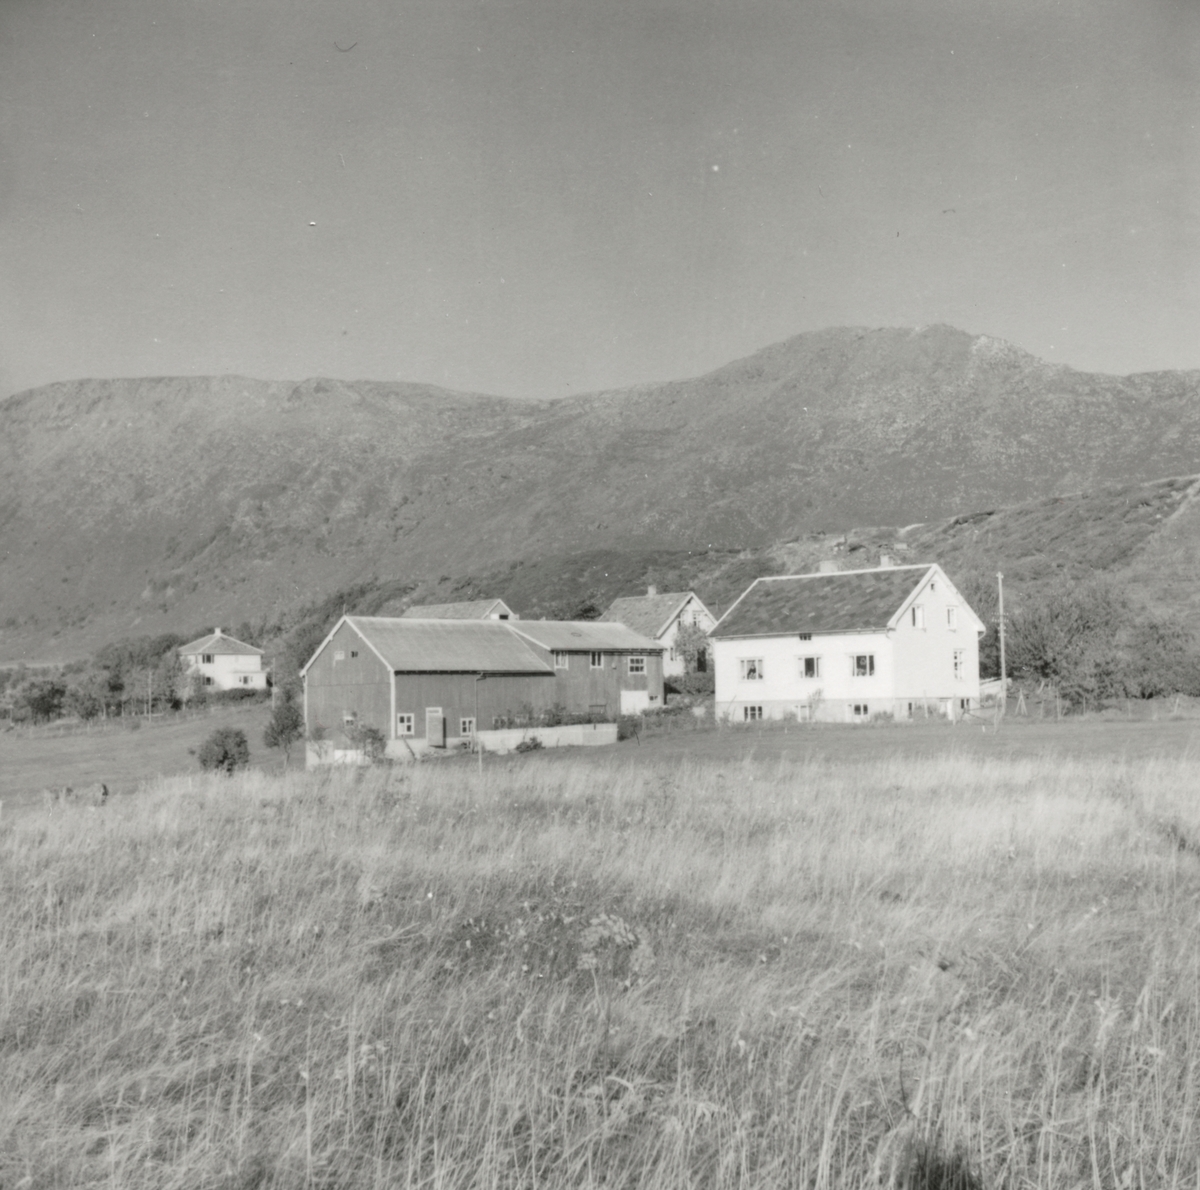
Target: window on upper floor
[
  {"x": 918, "y": 616},
  {"x": 862, "y": 665},
  {"x": 810, "y": 667},
  {"x": 806, "y": 636},
  {"x": 206, "y": 658},
  {"x": 637, "y": 665},
  {"x": 951, "y": 617},
  {"x": 751, "y": 669},
  {"x": 596, "y": 660},
  {"x": 339, "y": 654},
  {"x": 561, "y": 660}
]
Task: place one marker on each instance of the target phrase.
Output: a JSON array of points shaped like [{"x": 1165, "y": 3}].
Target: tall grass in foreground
[{"x": 959, "y": 973}]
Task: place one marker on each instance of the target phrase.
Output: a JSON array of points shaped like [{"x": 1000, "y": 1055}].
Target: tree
[
  {"x": 691, "y": 643},
  {"x": 286, "y": 725},
  {"x": 225, "y": 751},
  {"x": 43, "y": 700},
  {"x": 85, "y": 701}
]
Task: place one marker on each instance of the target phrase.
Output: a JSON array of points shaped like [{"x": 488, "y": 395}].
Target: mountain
[{"x": 139, "y": 505}]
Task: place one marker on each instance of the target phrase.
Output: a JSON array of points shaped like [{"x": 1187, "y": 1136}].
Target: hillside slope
[{"x": 130, "y": 505}]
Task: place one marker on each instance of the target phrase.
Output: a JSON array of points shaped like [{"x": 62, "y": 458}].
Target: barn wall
[
  {"x": 583, "y": 690},
  {"x": 503, "y": 694},
  {"x": 355, "y": 685}
]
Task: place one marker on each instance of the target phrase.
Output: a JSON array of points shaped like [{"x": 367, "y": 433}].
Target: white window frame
[
  {"x": 868, "y": 667},
  {"x": 803, "y": 664},
  {"x": 750, "y": 669},
  {"x": 466, "y": 727},
  {"x": 339, "y": 654},
  {"x": 918, "y": 615},
  {"x": 960, "y": 665},
  {"x": 207, "y": 658},
  {"x": 860, "y": 711},
  {"x": 562, "y": 659},
  {"x": 637, "y": 663},
  {"x": 405, "y": 723},
  {"x": 596, "y": 660},
  {"x": 752, "y": 713},
  {"x": 952, "y": 618}
]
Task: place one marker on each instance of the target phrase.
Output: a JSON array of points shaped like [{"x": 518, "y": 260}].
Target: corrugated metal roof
[
  {"x": 475, "y": 609},
  {"x": 849, "y": 601},
  {"x": 221, "y": 645},
  {"x": 448, "y": 646},
  {"x": 579, "y": 635},
  {"x": 647, "y": 614}
]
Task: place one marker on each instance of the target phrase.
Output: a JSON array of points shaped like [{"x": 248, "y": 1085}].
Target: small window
[
  {"x": 560, "y": 659},
  {"x": 862, "y": 665},
  {"x": 918, "y": 616},
  {"x": 749, "y": 714},
  {"x": 932, "y": 586},
  {"x": 208, "y": 681},
  {"x": 466, "y": 727},
  {"x": 673, "y": 653},
  {"x": 597, "y": 660},
  {"x": 404, "y": 723},
  {"x": 951, "y": 617},
  {"x": 206, "y": 658},
  {"x": 339, "y": 654},
  {"x": 806, "y": 636},
  {"x": 861, "y": 710},
  {"x": 247, "y": 681},
  {"x": 810, "y": 667},
  {"x": 752, "y": 669},
  {"x": 353, "y": 652},
  {"x": 637, "y": 665},
  {"x": 349, "y": 718},
  {"x": 501, "y": 616},
  {"x": 964, "y": 705},
  {"x": 960, "y": 664}
]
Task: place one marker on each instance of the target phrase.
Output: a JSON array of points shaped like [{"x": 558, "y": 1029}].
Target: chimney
[
  {"x": 651, "y": 590},
  {"x": 216, "y": 632},
  {"x": 886, "y": 560}
]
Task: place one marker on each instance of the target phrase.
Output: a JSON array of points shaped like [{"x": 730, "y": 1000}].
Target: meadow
[{"x": 734, "y": 971}]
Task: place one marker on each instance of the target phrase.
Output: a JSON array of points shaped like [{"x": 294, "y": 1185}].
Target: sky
[{"x": 544, "y": 197}]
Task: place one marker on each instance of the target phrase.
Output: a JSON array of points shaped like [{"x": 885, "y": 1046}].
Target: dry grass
[{"x": 960, "y": 972}]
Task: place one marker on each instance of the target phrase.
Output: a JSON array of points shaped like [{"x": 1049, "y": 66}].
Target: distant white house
[
  {"x": 659, "y": 617},
  {"x": 474, "y": 609},
  {"x": 223, "y": 663},
  {"x": 848, "y": 646}
]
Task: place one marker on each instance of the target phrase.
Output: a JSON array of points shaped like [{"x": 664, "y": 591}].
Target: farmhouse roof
[
  {"x": 844, "y": 601},
  {"x": 474, "y": 609},
  {"x": 648, "y": 614},
  {"x": 220, "y": 644},
  {"x": 579, "y": 635},
  {"x": 447, "y": 646}
]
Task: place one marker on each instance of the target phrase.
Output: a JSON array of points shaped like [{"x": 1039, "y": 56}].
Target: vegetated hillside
[{"x": 135, "y": 505}]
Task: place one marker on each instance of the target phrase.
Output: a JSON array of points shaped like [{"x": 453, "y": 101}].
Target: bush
[
  {"x": 368, "y": 740},
  {"x": 225, "y": 751},
  {"x": 629, "y": 727},
  {"x": 694, "y": 684},
  {"x": 532, "y": 744}
]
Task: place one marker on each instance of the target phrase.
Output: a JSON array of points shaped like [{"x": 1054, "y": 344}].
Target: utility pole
[
  {"x": 478, "y": 741},
  {"x": 1003, "y": 662}
]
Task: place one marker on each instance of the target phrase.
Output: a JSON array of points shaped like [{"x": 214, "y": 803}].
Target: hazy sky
[{"x": 538, "y": 197}]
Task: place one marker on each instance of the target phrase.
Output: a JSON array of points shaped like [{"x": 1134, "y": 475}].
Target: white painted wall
[
  {"x": 229, "y": 671},
  {"x": 925, "y": 651},
  {"x": 673, "y": 666}
]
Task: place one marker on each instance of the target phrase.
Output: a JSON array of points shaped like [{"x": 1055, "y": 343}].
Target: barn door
[{"x": 435, "y": 727}]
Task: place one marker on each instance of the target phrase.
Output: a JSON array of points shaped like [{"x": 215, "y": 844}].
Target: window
[
  {"x": 964, "y": 706},
  {"x": 637, "y": 665},
  {"x": 404, "y": 723},
  {"x": 749, "y": 714},
  {"x": 597, "y": 661},
  {"x": 951, "y": 618},
  {"x": 246, "y": 681},
  {"x": 752, "y": 669},
  {"x": 673, "y": 653},
  {"x": 810, "y": 667},
  {"x": 560, "y": 660},
  {"x": 339, "y": 654},
  {"x": 466, "y": 727},
  {"x": 918, "y": 616},
  {"x": 353, "y": 652},
  {"x": 960, "y": 664},
  {"x": 862, "y": 665},
  {"x": 349, "y": 718},
  {"x": 208, "y": 681},
  {"x": 806, "y": 636},
  {"x": 206, "y": 659},
  {"x": 861, "y": 710}
]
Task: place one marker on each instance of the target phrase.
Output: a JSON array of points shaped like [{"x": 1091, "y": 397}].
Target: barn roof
[
  {"x": 579, "y": 635},
  {"x": 474, "y": 609},
  {"x": 647, "y": 614},
  {"x": 220, "y": 644},
  {"x": 447, "y": 646},
  {"x": 845, "y": 601}
]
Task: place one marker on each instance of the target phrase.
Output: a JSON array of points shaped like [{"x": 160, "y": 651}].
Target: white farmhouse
[
  {"x": 223, "y": 663},
  {"x": 847, "y": 646},
  {"x": 659, "y": 617}
]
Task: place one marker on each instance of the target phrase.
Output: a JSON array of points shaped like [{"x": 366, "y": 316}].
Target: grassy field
[
  {"x": 116, "y": 752},
  {"x": 745, "y": 970}
]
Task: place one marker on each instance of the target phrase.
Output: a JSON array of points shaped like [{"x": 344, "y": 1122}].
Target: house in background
[
  {"x": 659, "y": 617},
  {"x": 475, "y": 609},
  {"x": 847, "y": 645},
  {"x": 222, "y": 663},
  {"x": 439, "y": 683}
]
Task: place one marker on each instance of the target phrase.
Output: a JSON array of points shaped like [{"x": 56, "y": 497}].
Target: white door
[
  {"x": 435, "y": 727},
  {"x": 634, "y": 702}
]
